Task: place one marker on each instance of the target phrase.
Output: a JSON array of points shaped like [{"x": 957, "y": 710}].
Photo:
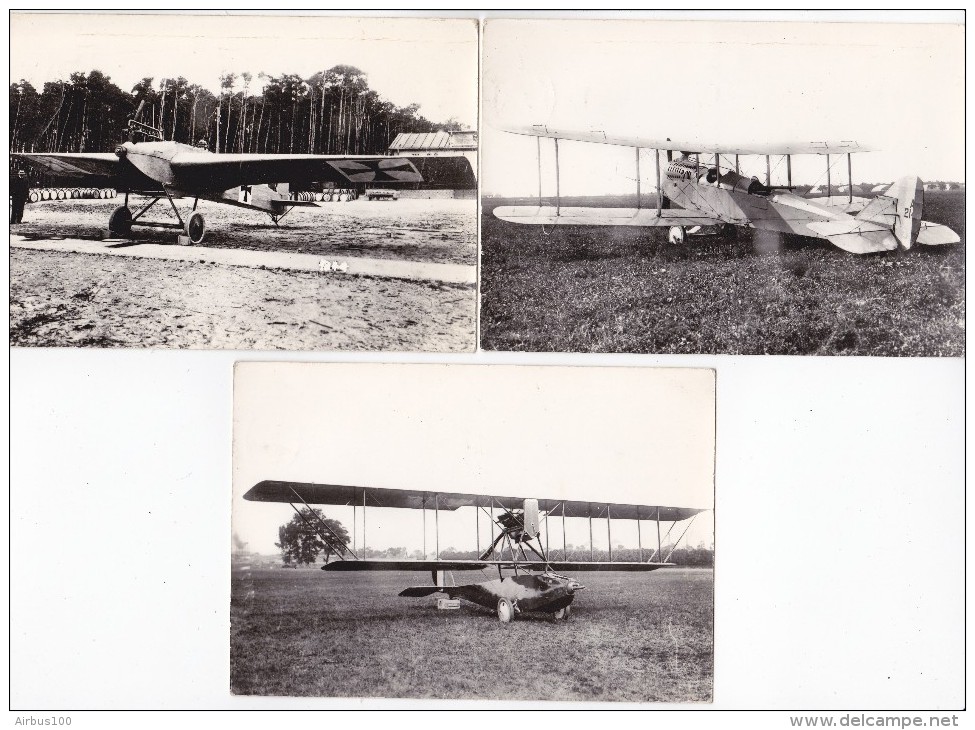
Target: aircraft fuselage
[
  {"x": 544, "y": 593},
  {"x": 740, "y": 201}
]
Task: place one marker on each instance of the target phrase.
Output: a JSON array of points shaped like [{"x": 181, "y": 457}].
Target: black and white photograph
[
  {"x": 790, "y": 188},
  {"x": 473, "y": 532},
  {"x": 243, "y": 182}
]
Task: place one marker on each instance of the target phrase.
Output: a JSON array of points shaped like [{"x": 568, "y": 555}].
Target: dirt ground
[
  {"x": 440, "y": 231},
  {"x": 85, "y": 300}
]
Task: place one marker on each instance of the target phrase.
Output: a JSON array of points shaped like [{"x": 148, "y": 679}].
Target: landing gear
[
  {"x": 123, "y": 220},
  {"x": 196, "y": 228},
  {"x": 506, "y": 610},
  {"x": 563, "y": 614},
  {"x": 677, "y": 235},
  {"x": 120, "y": 221}
]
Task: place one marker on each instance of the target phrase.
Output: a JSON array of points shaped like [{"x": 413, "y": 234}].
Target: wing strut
[
  {"x": 691, "y": 522},
  {"x": 829, "y": 185},
  {"x": 658, "y": 534},
  {"x": 609, "y": 533},
  {"x": 639, "y": 537},
  {"x": 565, "y": 550},
  {"x": 538, "y": 141},
  {"x": 849, "y": 172},
  {"x": 638, "y": 178},
  {"x": 788, "y": 169},
  {"x": 592, "y": 555},
  {"x": 660, "y": 193},
  {"x": 558, "y": 194},
  {"x": 323, "y": 524}
]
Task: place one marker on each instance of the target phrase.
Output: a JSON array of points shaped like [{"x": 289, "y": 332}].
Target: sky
[
  {"x": 408, "y": 60},
  {"x": 897, "y": 88},
  {"x": 624, "y": 435}
]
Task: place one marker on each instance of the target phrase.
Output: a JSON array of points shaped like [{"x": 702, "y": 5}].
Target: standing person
[{"x": 19, "y": 190}]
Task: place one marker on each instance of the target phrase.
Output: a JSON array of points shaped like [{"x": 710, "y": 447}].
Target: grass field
[
  {"x": 632, "y": 637},
  {"x": 627, "y": 290}
]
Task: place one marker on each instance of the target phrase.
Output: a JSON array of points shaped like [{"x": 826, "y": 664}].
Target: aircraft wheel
[
  {"x": 506, "y": 610},
  {"x": 196, "y": 228},
  {"x": 120, "y": 221},
  {"x": 563, "y": 613},
  {"x": 676, "y": 235}
]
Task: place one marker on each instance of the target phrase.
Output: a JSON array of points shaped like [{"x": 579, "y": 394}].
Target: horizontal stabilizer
[
  {"x": 645, "y": 217},
  {"x": 420, "y": 591},
  {"x": 935, "y": 234},
  {"x": 855, "y": 236}
]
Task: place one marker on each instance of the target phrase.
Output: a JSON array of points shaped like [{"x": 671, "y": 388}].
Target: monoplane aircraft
[
  {"x": 536, "y": 583},
  {"x": 156, "y": 168},
  {"x": 718, "y": 196}
]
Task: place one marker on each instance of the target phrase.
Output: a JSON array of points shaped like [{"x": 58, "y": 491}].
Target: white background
[
  {"x": 840, "y": 531},
  {"x": 839, "y": 513}
]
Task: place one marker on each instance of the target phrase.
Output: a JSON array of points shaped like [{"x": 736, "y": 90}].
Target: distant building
[{"x": 456, "y": 183}]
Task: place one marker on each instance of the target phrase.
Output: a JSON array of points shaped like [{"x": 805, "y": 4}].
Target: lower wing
[{"x": 551, "y": 216}]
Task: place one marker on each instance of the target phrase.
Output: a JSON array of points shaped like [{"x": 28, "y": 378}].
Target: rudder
[{"x": 899, "y": 207}]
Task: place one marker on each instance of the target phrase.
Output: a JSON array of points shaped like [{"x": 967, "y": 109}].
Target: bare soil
[{"x": 85, "y": 300}]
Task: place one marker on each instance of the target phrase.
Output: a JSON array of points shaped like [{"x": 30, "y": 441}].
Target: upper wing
[
  {"x": 206, "y": 171},
  {"x": 722, "y": 148},
  {"x": 73, "y": 164},
  {"x": 550, "y": 216},
  {"x": 277, "y": 491}
]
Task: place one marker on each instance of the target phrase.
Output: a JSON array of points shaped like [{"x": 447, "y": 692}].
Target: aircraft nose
[{"x": 121, "y": 151}]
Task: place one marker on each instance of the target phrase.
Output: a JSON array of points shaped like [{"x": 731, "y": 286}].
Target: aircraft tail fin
[{"x": 899, "y": 209}]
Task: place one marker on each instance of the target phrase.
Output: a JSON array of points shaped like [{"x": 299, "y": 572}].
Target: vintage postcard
[
  {"x": 243, "y": 181},
  {"x": 405, "y": 530},
  {"x": 723, "y": 187}
]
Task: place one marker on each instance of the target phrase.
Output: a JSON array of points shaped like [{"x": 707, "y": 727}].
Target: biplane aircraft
[
  {"x": 535, "y": 583},
  {"x": 716, "y": 196},
  {"x": 158, "y": 169}
]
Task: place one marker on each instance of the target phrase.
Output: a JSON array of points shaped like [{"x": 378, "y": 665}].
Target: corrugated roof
[{"x": 434, "y": 140}]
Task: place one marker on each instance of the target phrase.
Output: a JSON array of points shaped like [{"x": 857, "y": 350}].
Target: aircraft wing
[
  {"x": 427, "y": 566},
  {"x": 205, "y": 171},
  {"x": 295, "y": 492},
  {"x": 565, "y": 216},
  {"x": 72, "y": 164},
  {"x": 687, "y": 145}
]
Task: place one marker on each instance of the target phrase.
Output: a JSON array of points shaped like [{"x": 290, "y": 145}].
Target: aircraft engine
[{"x": 682, "y": 170}]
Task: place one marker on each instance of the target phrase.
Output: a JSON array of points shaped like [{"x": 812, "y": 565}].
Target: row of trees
[
  {"x": 301, "y": 543},
  {"x": 332, "y": 112}
]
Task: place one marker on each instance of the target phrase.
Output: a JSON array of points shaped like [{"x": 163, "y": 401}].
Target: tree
[{"x": 301, "y": 540}]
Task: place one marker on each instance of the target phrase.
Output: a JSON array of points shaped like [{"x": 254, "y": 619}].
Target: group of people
[{"x": 19, "y": 191}]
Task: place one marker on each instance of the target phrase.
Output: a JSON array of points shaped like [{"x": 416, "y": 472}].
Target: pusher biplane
[
  {"x": 159, "y": 169},
  {"x": 536, "y": 582},
  {"x": 716, "y": 196}
]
